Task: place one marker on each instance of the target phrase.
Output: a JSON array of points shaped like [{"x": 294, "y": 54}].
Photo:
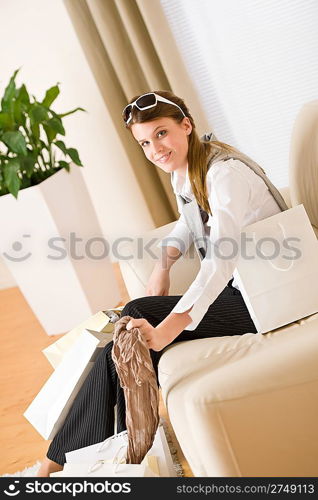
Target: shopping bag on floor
[
  {"x": 50, "y": 407},
  {"x": 100, "y": 451},
  {"x": 107, "y": 449},
  {"x": 116, "y": 466},
  {"x": 103, "y": 321},
  {"x": 278, "y": 272},
  {"x": 111, "y": 468}
]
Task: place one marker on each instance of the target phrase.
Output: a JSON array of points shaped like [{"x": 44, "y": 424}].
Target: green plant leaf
[
  {"x": 73, "y": 153},
  {"x": 15, "y": 141},
  {"x": 64, "y": 164},
  {"x": 17, "y": 113},
  {"x": 38, "y": 113},
  {"x": 50, "y": 133},
  {"x": 71, "y": 112},
  {"x": 50, "y": 96},
  {"x": 11, "y": 178},
  {"x": 6, "y": 121},
  {"x": 35, "y": 129},
  {"x": 56, "y": 124},
  {"x": 23, "y": 96},
  {"x": 27, "y": 163},
  {"x": 9, "y": 94},
  {"x": 61, "y": 146}
]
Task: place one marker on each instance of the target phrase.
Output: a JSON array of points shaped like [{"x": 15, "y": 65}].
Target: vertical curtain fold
[
  {"x": 144, "y": 48},
  {"x": 125, "y": 63},
  {"x": 171, "y": 59}
]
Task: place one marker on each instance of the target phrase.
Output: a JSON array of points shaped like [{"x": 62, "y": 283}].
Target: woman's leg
[
  {"x": 47, "y": 467},
  {"x": 91, "y": 418},
  {"x": 228, "y": 315}
]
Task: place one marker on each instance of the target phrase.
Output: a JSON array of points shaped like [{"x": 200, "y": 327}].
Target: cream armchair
[{"x": 245, "y": 405}]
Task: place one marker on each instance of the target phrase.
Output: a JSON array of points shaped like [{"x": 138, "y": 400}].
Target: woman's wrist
[{"x": 174, "y": 324}]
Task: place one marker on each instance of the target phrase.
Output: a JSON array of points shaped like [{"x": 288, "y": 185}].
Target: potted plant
[
  {"x": 45, "y": 207},
  {"x": 30, "y": 150}
]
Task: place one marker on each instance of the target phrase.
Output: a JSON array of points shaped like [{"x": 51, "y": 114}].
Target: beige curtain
[{"x": 130, "y": 50}]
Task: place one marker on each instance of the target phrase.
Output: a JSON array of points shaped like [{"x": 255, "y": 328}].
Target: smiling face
[{"x": 165, "y": 142}]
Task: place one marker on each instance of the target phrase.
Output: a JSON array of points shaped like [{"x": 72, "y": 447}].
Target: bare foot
[{"x": 47, "y": 467}]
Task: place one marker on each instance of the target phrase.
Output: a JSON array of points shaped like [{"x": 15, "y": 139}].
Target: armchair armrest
[
  {"x": 139, "y": 257},
  {"x": 254, "y": 415}
]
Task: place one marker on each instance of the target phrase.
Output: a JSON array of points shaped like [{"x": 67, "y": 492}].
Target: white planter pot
[{"x": 64, "y": 280}]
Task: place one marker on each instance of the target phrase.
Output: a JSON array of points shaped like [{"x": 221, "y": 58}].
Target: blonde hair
[{"x": 200, "y": 153}]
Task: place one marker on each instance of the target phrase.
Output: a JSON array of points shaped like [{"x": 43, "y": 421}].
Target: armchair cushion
[
  {"x": 246, "y": 405},
  {"x": 141, "y": 256}
]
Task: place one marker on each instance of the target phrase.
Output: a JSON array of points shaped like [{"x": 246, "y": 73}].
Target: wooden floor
[{"x": 23, "y": 371}]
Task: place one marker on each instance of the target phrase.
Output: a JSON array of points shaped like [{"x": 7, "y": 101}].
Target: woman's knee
[{"x": 135, "y": 308}]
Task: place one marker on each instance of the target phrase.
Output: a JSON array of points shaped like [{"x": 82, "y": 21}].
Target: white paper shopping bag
[
  {"x": 277, "y": 271},
  {"x": 108, "y": 449},
  {"x": 100, "y": 451},
  {"x": 50, "y": 407},
  {"x": 99, "y": 322},
  {"x": 113, "y": 467},
  {"x": 103, "y": 469}
]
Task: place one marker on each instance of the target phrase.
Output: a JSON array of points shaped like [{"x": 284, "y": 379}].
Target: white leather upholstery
[
  {"x": 245, "y": 405},
  {"x": 137, "y": 269},
  {"x": 303, "y": 161}
]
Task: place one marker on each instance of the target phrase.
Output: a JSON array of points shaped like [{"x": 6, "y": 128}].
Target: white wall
[{"x": 38, "y": 37}]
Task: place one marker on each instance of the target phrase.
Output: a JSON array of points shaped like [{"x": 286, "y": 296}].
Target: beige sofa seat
[{"x": 246, "y": 405}]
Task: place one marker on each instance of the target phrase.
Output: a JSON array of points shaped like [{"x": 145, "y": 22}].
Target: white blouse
[{"x": 237, "y": 197}]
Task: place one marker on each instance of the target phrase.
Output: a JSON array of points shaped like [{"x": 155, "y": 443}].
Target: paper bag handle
[
  {"x": 117, "y": 460},
  {"x": 105, "y": 444}
]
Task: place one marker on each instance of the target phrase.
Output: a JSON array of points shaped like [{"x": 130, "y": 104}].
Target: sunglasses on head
[{"x": 146, "y": 101}]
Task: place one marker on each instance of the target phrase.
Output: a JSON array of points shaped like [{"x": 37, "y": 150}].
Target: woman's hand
[
  {"x": 159, "y": 282},
  {"x": 161, "y": 336},
  {"x": 156, "y": 338}
]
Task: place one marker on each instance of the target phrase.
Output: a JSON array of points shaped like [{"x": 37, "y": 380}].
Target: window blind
[{"x": 253, "y": 63}]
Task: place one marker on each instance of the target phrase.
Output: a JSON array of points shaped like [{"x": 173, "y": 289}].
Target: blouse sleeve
[
  {"x": 229, "y": 193},
  {"x": 180, "y": 237}
]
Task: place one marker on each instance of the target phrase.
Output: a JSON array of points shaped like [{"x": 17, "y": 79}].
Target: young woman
[{"x": 226, "y": 190}]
